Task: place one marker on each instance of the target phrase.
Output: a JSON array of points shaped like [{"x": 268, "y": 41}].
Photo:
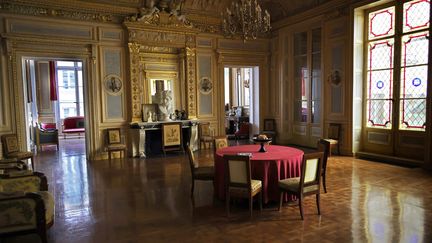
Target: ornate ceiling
[{"x": 278, "y": 9}]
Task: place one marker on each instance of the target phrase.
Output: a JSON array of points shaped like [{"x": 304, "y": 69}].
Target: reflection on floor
[{"x": 148, "y": 200}]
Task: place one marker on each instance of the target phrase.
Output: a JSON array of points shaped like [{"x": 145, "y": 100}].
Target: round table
[{"x": 279, "y": 162}]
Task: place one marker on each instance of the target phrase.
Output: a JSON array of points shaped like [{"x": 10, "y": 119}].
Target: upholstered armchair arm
[
  {"x": 22, "y": 213},
  {"x": 26, "y": 181},
  {"x": 46, "y": 136}
]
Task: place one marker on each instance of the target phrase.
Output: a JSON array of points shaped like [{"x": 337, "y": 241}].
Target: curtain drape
[{"x": 53, "y": 81}]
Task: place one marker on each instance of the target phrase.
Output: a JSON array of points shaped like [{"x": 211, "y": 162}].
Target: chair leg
[
  {"x": 338, "y": 148},
  {"x": 192, "y": 187},
  {"x": 227, "y": 202},
  {"x": 318, "y": 203},
  {"x": 109, "y": 155},
  {"x": 324, "y": 182},
  {"x": 301, "y": 206},
  {"x": 261, "y": 195},
  {"x": 281, "y": 200},
  {"x": 250, "y": 206},
  {"x": 32, "y": 163}
]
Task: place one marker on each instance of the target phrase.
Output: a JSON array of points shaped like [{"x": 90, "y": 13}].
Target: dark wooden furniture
[
  {"x": 269, "y": 129},
  {"x": 114, "y": 142},
  {"x": 11, "y": 149},
  {"x": 324, "y": 146},
  {"x": 307, "y": 184},
  {"x": 205, "y": 173},
  {"x": 239, "y": 182}
]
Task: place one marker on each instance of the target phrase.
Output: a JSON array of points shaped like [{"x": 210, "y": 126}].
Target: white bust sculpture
[{"x": 165, "y": 106}]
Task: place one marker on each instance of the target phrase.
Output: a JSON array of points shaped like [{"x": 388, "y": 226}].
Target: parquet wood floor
[{"x": 148, "y": 200}]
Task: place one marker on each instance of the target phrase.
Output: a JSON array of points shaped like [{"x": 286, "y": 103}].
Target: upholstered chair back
[
  {"x": 26, "y": 181},
  {"x": 10, "y": 144},
  {"x": 220, "y": 142},
  {"x": 334, "y": 131},
  {"x": 204, "y": 129},
  {"x": 311, "y": 170},
  {"x": 238, "y": 170}
]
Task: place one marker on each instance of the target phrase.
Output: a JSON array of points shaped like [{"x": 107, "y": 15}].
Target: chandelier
[{"x": 245, "y": 18}]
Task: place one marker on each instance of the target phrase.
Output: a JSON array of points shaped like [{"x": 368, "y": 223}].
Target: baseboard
[{"x": 390, "y": 159}]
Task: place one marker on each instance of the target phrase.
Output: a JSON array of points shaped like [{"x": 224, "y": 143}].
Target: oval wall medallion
[
  {"x": 113, "y": 84},
  {"x": 205, "y": 85}
]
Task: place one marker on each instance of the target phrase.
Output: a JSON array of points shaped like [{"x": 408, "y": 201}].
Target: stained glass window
[
  {"x": 416, "y": 15},
  {"x": 380, "y": 85},
  {"x": 381, "y": 23},
  {"x": 414, "y": 81}
]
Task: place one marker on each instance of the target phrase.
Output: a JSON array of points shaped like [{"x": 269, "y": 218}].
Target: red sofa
[{"x": 73, "y": 125}]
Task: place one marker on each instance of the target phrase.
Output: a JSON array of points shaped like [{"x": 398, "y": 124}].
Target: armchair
[
  {"x": 26, "y": 206},
  {"x": 11, "y": 149},
  {"x": 46, "y": 134}
]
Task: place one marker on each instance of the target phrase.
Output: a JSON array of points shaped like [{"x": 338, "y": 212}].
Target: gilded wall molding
[
  {"x": 136, "y": 93},
  {"x": 144, "y": 36},
  {"x": 191, "y": 82},
  {"x": 63, "y": 13}
]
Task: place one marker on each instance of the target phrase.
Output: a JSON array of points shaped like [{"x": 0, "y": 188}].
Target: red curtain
[{"x": 53, "y": 81}]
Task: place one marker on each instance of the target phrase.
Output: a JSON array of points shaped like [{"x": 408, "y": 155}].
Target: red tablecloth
[{"x": 279, "y": 162}]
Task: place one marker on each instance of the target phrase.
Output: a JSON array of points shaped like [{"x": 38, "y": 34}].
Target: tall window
[
  {"x": 397, "y": 66},
  {"x": 70, "y": 87},
  {"x": 243, "y": 84},
  {"x": 307, "y": 75}
]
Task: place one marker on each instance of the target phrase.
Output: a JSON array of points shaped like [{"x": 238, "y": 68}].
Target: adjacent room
[{"x": 215, "y": 121}]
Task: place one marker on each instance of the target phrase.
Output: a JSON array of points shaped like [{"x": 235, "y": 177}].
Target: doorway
[
  {"x": 54, "y": 91},
  {"x": 241, "y": 99}
]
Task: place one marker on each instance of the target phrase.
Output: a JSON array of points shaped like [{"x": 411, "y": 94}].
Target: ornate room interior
[{"x": 117, "y": 79}]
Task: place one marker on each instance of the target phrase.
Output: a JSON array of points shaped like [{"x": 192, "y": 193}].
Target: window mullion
[{"x": 397, "y": 68}]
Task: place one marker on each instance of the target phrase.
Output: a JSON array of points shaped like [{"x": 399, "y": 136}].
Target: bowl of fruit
[{"x": 262, "y": 139}]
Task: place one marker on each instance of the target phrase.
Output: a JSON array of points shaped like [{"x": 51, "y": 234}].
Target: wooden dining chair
[
  {"x": 238, "y": 181},
  {"x": 205, "y": 173},
  {"x": 324, "y": 146},
  {"x": 333, "y": 136},
  {"x": 205, "y": 133},
  {"x": 219, "y": 142},
  {"x": 307, "y": 184},
  {"x": 114, "y": 143}
]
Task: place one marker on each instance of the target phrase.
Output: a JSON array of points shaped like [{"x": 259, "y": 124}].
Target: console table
[{"x": 147, "y": 136}]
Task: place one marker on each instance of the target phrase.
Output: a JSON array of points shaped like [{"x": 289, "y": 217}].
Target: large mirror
[
  {"x": 162, "y": 75},
  {"x": 163, "y": 92}
]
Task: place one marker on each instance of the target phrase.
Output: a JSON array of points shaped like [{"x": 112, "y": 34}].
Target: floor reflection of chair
[
  {"x": 205, "y": 173},
  {"x": 307, "y": 184},
  {"x": 239, "y": 182},
  {"x": 12, "y": 151}
]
